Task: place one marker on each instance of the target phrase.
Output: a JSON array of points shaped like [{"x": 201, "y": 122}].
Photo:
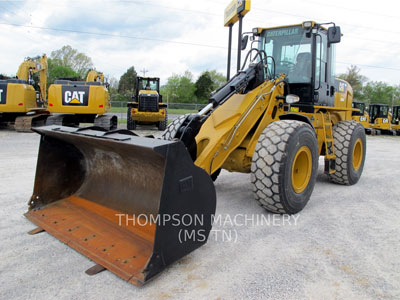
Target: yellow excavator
[
  {"x": 148, "y": 107},
  {"x": 134, "y": 205},
  {"x": 361, "y": 115},
  {"x": 396, "y": 119},
  {"x": 20, "y": 104},
  {"x": 74, "y": 102},
  {"x": 379, "y": 119}
]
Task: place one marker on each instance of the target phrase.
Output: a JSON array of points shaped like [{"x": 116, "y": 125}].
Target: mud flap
[{"x": 133, "y": 205}]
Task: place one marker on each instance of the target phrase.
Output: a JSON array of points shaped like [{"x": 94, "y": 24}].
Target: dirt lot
[{"x": 344, "y": 245}]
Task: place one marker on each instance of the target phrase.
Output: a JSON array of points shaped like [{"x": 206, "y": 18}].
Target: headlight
[{"x": 290, "y": 99}]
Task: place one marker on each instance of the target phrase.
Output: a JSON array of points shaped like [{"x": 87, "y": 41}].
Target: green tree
[
  {"x": 58, "y": 71},
  {"x": 72, "y": 58},
  {"x": 379, "y": 92},
  {"x": 356, "y": 80},
  {"x": 204, "y": 86},
  {"x": 180, "y": 88},
  {"x": 207, "y": 82},
  {"x": 127, "y": 82}
]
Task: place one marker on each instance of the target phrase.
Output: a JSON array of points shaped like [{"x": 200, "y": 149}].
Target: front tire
[
  {"x": 173, "y": 128},
  {"x": 284, "y": 166},
  {"x": 350, "y": 150},
  {"x": 163, "y": 124},
  {"x": 130, "y": 124}
]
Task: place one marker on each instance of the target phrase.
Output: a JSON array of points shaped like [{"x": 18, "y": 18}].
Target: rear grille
[{"x": 148, "y": 103}]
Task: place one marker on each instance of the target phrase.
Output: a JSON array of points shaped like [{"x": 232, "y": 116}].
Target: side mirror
[
  {"x": 245, "y": 39},
  {"x": 334, "y": 35}
]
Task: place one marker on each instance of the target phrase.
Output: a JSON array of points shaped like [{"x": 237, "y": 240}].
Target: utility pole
[{"x": 144, "y": 71}]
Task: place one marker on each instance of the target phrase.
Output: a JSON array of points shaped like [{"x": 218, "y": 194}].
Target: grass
[{"x": 171, "y": 111}]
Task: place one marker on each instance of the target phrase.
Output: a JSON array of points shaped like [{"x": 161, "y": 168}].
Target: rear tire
[
  {"x": 130, "y": 124},
  {"x": 350, "y": 149},
  {"x": 284, "y": 167}
]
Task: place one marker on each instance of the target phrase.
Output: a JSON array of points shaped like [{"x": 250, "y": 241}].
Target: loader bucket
[{"x": 133, "y": 205}]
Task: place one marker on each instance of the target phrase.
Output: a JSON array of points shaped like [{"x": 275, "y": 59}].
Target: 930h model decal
[{"x": 75, "y": 95}]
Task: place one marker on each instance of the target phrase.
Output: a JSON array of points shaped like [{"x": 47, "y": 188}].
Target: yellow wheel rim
[
  {"x": 357, "y": 154},
  {"x": 301, "y": 169}
]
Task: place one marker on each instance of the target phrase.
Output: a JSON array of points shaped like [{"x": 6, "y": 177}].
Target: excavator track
[
  {"x": 108, "y": 122},
  {"x": 25, "y": 123}
]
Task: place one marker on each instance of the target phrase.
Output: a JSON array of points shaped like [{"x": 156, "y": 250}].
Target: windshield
[
  {"x": 360, "y": 106},
  {"x": 148, "y": 84},
  {"x": 378, "y": 111},
  {"x": 291, "y": 50}
]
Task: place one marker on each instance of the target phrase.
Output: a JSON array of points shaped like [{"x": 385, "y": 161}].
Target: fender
[{"x": 297, "y": 117}]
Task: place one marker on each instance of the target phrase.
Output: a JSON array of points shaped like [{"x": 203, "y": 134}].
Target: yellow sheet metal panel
[
  {"x": 234, "y": 9},
  {"x": 93, "y": 99},
  {"x": 19, "y": 98},
  {"x": 148, "y": 116}
]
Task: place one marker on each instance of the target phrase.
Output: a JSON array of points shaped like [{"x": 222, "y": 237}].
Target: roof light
[{"x": 307, "y": 24}]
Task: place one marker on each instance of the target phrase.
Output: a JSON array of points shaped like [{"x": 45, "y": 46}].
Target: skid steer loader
[{"x": 273, "y": 119}]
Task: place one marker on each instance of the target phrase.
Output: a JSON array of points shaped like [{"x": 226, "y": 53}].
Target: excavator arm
[
  {"x": 93, "y": 75},
  {"x": 33, "y": 65}
]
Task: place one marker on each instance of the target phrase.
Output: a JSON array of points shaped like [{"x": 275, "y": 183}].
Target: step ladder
[{"x": 330, "y": 157}]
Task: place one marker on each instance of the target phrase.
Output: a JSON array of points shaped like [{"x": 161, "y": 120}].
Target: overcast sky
[{"x": 166, "y": 37}]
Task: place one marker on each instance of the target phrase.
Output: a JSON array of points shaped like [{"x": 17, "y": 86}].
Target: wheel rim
[
  {"x": 357, "y": 154},
  {"x": 301, "y": 169}
]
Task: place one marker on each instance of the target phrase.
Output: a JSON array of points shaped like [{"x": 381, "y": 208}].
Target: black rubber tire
[
  {"x": 215, "y": 175},
  {"x": 271, "y": 168},
  {"x": 114, "y": 123},
  {"x": 345, "y": 135},
  {"x": 130, "y": 124},
  {"x": 172, "y": 128},
  {"x": 163, "y": 124}
]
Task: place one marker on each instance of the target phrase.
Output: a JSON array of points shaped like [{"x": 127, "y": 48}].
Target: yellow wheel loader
[
  {"x": 396, "y": 119},
  {"x": 361, "y": 115},
  {"x": 134, "y": 204},
  {"x": 74, "y": 102},
  {"x": 380, "y": 119},
  {"x": 20, "y": 104},
  {"x": 148, "y": 107}
]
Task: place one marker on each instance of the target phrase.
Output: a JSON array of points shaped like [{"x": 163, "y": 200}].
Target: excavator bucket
[{"x": 133, "y": 205}]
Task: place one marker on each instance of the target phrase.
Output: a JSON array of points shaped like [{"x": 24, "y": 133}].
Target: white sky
[{"x": 176, "y": 30}]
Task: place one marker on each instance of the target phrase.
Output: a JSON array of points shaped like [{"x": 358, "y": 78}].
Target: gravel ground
[{"x": 344, "y": 245}]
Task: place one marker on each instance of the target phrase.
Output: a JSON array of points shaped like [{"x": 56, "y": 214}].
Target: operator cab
[
  {"x": 378, "y": 111},
  {"x": 360, "y": 106},
  {"x": 148, "y": 93},
  {"x": 306, "y": 54},
  {"x": 148, "y": 84},
  {"x": 396, "y": 115}
]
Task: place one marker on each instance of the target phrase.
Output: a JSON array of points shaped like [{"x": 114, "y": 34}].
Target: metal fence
[{"x": 120, "y": 109}]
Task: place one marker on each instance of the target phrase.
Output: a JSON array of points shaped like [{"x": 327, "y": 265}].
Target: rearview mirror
[
  {"x": 245, "y": 39},
  {"x": 334, "y": 35}
]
